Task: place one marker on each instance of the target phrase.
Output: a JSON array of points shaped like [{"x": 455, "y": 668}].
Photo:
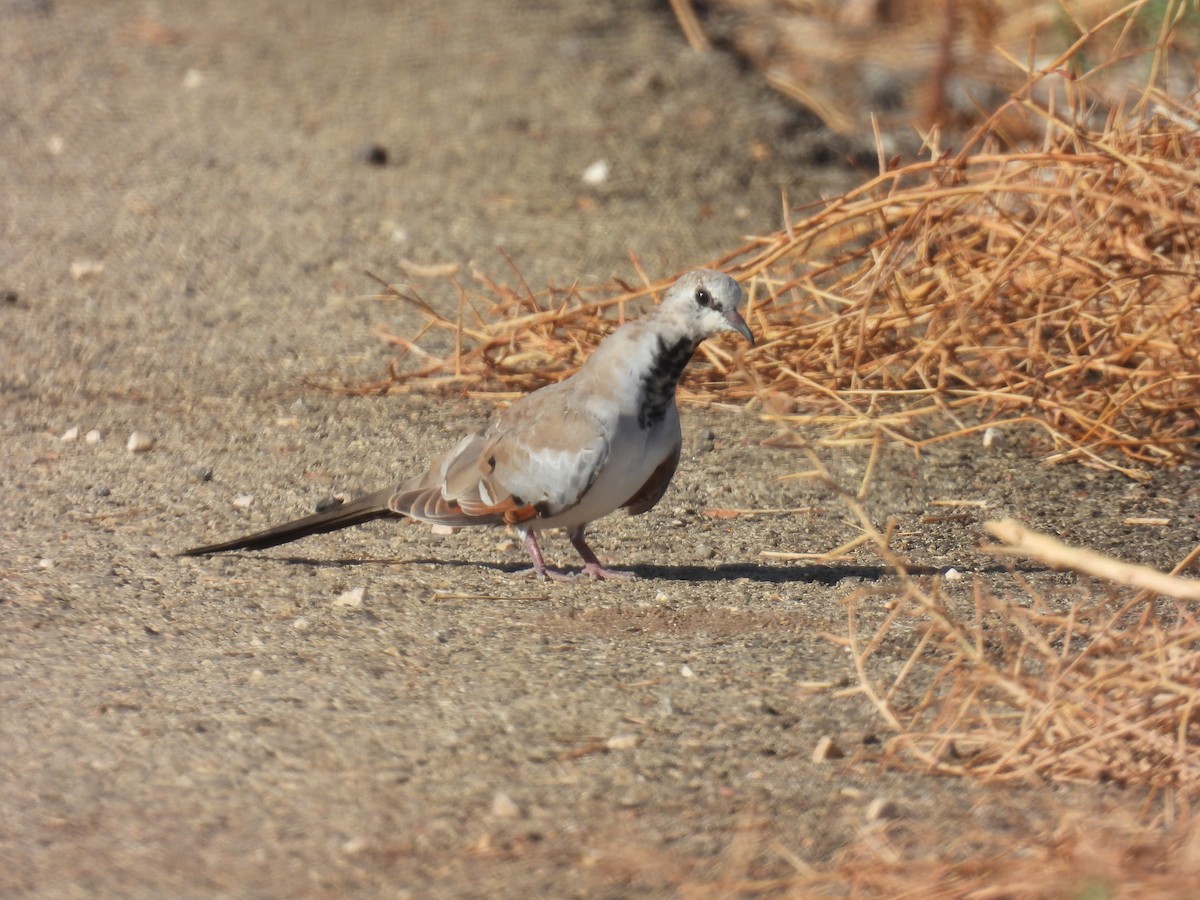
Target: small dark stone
[
  {"x": 328, "y": 503},
  {"x": 101, "y": 491},
  {"x": 40, "y": 8},
  {"x": 203, "y": 473},
  {"x": 9, "y": 298},
  {"x": 374, "y": 155}
]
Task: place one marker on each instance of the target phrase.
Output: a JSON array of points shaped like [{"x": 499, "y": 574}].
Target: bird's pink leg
[
  {"x": 592, "y": 567},
  {"x": 539, "y": 565}
]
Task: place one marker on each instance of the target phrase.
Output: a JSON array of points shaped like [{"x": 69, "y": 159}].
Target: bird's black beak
[{"x": 738, "y": 324}]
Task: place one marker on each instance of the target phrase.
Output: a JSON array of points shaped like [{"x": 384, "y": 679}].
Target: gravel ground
[{"x": 188, "y": 197}]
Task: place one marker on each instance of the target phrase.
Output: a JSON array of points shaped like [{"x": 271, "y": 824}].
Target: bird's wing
[
  {"x": 652, "y": 491},
  {"x": 537, "y": 459}
]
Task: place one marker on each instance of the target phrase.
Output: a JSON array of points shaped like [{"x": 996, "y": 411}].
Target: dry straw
[
  {"x": 1054, "y": 287},
  {"x": 1099, "y": 689},
  {"x": 1101, "y": 686}
]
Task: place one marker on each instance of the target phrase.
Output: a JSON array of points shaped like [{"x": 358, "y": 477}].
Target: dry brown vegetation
[
  {"x": 859, "y": 63},
  {"x": 1051, "y": 285},
  {"x": 1054, "y": 287}
]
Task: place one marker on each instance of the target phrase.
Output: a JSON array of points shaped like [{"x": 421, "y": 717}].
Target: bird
[{"x": 561, "y": 457}]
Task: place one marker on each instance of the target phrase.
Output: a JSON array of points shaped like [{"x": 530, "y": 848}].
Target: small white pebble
[
  {"x": 71, "y": 434},
  {"x": 443, "y": 529},
  {"x": 597, "y": 172},
  {"x": 140, "y": 443},
  {"x": 86, "y": 268},
  {"x": 503, "y": 807},
  {"x": 354, "y": 846},
  {"x": 351, "y": 599},
  {"x": 661, "y": 598},
  {"x": 952, "y": 574},
  {"x": 686, "y": 671},
  {"x": 45, "y": 563},
  {"x": 192, "y": 79},
  {"x": 93, "y": 437},
  {"x": 256, "y": 676},
  {"x": 55, "y": 145},
  {"x": 991, "y": 436},
  {"x": 300, "y": 623},
  {"x": 243, "y": 501},
  {"x": 622, "y": 742}
]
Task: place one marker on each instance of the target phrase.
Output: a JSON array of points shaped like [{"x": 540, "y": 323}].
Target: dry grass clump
[
  {"x": 1101, "y": 686},
  {"x": 1100, "y": 689},
  {"x": 1080, "y": 857},
  {"x": 1055, "y": 286}
]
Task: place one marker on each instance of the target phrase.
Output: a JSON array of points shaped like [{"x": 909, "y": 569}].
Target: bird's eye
[{"x": 703, "y": 297}]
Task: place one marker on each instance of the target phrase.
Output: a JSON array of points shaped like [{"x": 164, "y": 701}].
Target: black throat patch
[{"x": 658, "y": 385}]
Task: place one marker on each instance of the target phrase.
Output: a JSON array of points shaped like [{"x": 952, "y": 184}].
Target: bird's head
[{"x": 707, "y": 301}]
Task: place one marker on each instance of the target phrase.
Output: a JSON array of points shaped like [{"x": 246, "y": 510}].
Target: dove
[{"x": 567, "y": 454}]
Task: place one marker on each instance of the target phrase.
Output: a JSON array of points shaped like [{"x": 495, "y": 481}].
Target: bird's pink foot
[
  {"x": 543, "y": 573},
  {"x": 592, "y": 567},
  {"x": 539, "y": 570},
  {"x": 595, "y": 570}
]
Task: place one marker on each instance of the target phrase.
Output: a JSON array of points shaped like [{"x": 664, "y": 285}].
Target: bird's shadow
[{"x": 755, "y": 572}]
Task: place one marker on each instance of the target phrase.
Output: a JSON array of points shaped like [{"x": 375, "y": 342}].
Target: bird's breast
[{"x": 634, "y": 455}]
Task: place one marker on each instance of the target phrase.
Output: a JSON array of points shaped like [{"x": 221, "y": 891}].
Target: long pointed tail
[{"x": 365, "y": 509}]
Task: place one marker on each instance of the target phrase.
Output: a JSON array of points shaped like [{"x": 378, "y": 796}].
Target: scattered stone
[
  {"x": 203, "y": 473},
  {"x": 243, "y": 501},
  {"x": 140, "y": 442},
  {"x": 351, "y": 599},
  {"x": 661, "y": 598},
  {"x": 354, "y": 846},
  {"x": 93, "y": 437},
  {"x": 597, "y": 172},
  {"x": 622, "y": 742},
  {"x": 45, "y": 563},
  {"x": 703, "y": 551},
  {"x": 101, "y": 491},
  {"x": 374, "y": 155},
  {"x": 826, "y": 750},
  {"x": 443, "y": 529},
  {"x": 952, "y": 574},
  {"x": 506, "y": 546},
  {"x": 192, "y": 79},
  {"x": 882, "y": 808},
  {"x": 86, "y": 268},
  {"x": 503, "y": 807},
  {"x": 10, "y": 297},
  {"x": 300, "y": 623},
  {"x": 686, "y": 671},
  {"x": 71, "y": 434},
  {"x": 55, "y": 145},
  {"x": 329, "y": 502},
  {"x": 992, "y": 436}
]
